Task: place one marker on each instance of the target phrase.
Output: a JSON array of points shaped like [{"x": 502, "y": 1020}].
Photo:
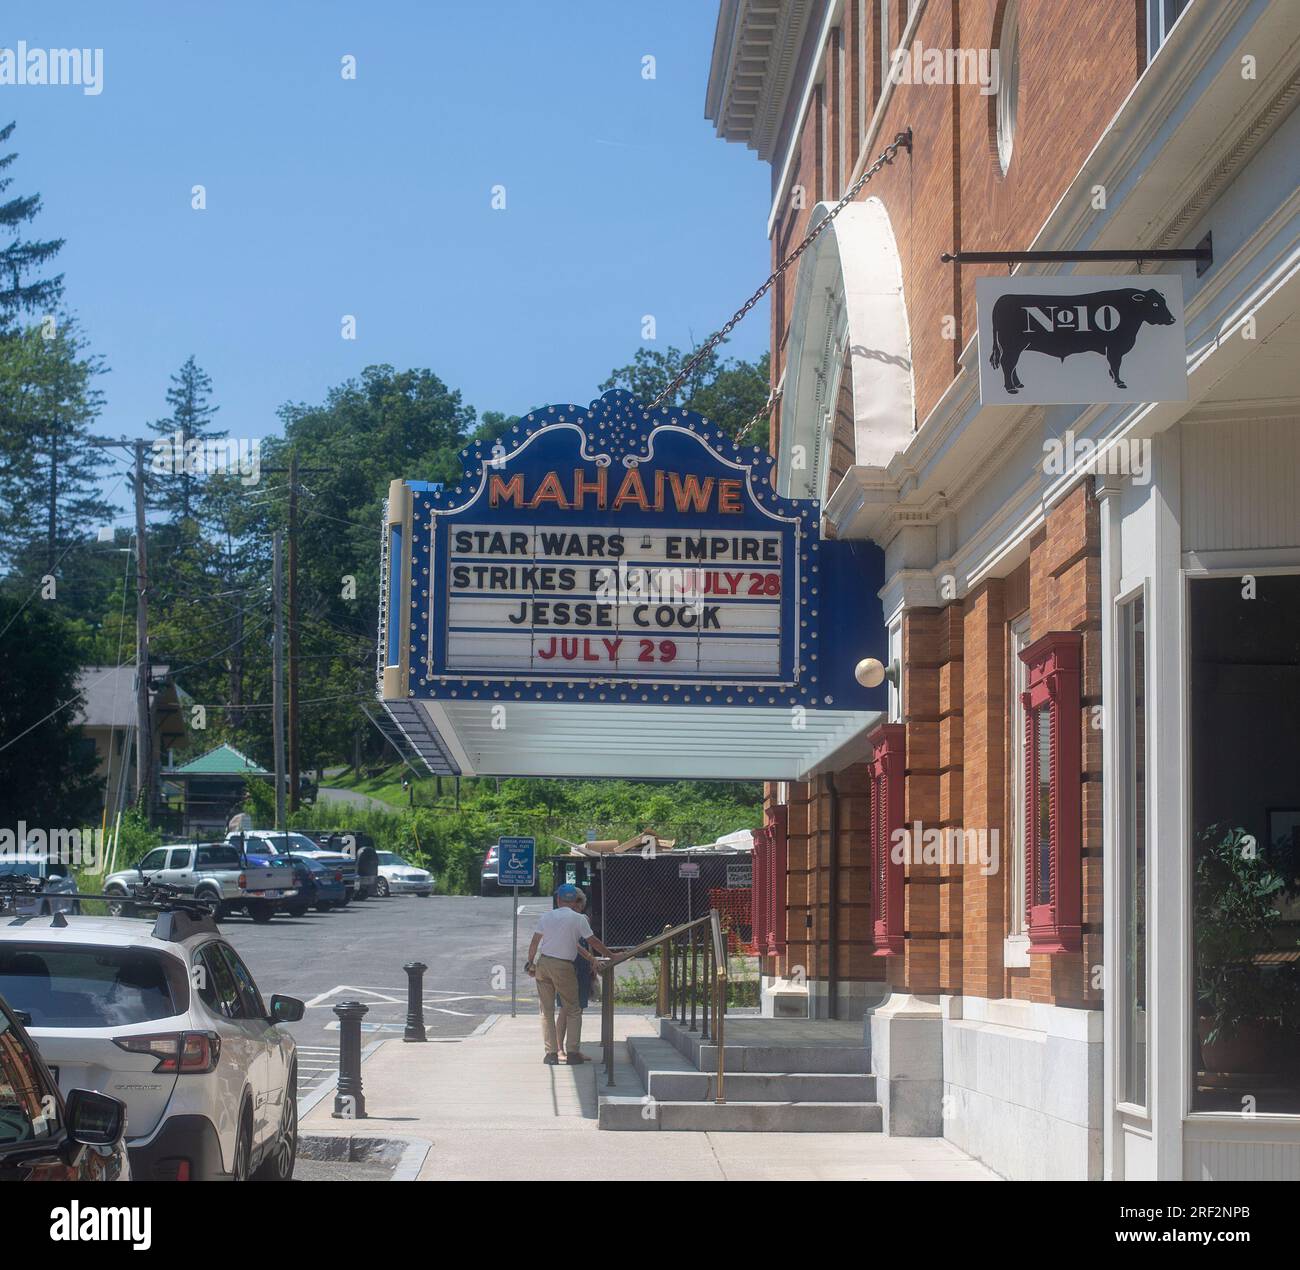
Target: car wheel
[
  {"x": 298, "y": 910},
  {"x": 381, "y": 888},
  {"x": 278, "y": 1166},
  {"x": 244, "y": 1147},
  {"x": 261, "y": 912},
  {"x": 324, "y": 908},
  {"x": 213, "y": 899},
  {"x": 119, "y": 907}
]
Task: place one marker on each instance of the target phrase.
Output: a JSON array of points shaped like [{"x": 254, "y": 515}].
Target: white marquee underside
[{"x": 631, "y": 742}]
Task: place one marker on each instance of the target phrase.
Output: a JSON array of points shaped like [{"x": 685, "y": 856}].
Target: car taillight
[
  {"x": 338, "y": 876},
  {"x": 185, "y": 1053},
  {"x": 242, "y": 882}
]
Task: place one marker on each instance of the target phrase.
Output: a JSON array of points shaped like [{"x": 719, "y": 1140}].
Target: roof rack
[
  {"x": 19, "y": 886},
  {"x": 179, "y": 915}
]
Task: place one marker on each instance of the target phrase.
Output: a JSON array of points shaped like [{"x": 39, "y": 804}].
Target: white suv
[{"x": 167, "y": 1018}]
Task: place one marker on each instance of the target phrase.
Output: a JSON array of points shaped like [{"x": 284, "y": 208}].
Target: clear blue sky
[{"x": 372, "y": 197}]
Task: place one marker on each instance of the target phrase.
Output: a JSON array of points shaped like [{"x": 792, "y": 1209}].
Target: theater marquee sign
[{"x": 611, "y": 555}]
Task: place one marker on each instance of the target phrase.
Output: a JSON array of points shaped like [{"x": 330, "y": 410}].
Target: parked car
[
  {"x": 45, "y": 1137},
  {"x": 169, "y": 1019},
  {"x": 319, "y": 886},
  {"x": 359, "y": 847},
  {"x": 265, "y": 844},
  {"x": 54, "y": 887},
  {"x": 214, "y": 872},
  {"x": 489, "y": 882},
  {"x": 490, "y": 874},
  {"x": 398, "y": 877}
]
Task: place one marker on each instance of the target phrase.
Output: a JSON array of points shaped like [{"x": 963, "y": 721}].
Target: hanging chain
[
  {"x": 903, "y": 141},
  {"x": 762, "y": 413}
]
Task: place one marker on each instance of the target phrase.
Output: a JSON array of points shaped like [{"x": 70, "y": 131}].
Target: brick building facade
[{"x": 1024, "y": 999}]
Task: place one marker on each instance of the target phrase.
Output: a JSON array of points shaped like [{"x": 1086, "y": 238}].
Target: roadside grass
[
  {"x": 636, "y": 982},
  {"x": 386, "y": 786}
]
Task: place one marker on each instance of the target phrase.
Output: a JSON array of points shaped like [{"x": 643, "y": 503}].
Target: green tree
[
  {"x": 190, "y": 420},
  {"x": 19, "y": 293},
  {"x": 729, "y": 391},
  {"x": 386, "y": 423},
  {"x": 50, "y": 471},
  {"x": 47, "y": 767}
]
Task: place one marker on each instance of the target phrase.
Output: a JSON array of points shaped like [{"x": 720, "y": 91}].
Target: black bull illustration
[{"x": 1105, "y": 322}]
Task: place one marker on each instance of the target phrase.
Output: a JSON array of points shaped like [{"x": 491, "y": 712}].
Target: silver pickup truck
[
  {"x": 215, "y": 871},
  {"x": 266, "y": 844}
]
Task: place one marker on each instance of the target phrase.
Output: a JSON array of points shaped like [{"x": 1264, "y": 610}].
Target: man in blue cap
[{"x": 554, "y": 948}]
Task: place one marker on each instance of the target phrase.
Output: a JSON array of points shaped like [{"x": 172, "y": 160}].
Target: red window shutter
[
  {"x": 887, "y": 768},
  {"x": 778, "y": 823},
  {"x": 759, "y": 903},
  {"x": 1054, "y": 796}
]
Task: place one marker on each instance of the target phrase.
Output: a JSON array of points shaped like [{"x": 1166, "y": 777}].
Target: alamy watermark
[
  {"x": 921, "y": 65},
  {"x": 1069, "y": 455},
  {"x": 30, "y": 850},
  {"x": 915, "y": 844},
  {"x": 82, "y": 68},
  {"x": 179, "y": 455}
]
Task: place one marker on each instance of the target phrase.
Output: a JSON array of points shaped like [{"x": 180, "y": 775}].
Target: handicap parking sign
[{"x": 516, "y": 861}]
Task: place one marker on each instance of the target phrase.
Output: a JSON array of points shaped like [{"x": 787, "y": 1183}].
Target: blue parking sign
[{"x": 516, "y": 861}]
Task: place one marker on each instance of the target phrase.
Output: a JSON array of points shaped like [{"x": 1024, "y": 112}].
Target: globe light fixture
[{"x": 871, "y": 672}]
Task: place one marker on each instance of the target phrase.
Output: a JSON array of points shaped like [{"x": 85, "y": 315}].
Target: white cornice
[{"x": 756, "y": 47}]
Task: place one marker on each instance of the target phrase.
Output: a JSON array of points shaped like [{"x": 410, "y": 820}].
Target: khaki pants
[{"x": 557, "y": 976}]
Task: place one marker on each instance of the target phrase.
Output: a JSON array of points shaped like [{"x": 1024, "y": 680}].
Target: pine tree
[
  {"x": 190, "y": 420},
  {"x": 48, "y": 401},
  {"x": 18, "y": 293}
]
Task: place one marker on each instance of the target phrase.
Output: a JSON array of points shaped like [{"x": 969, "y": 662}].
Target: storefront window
[
  {"x": 1244, "y": 701},
  {"x": 1133, "y": 844},
  {"x": 1161, "y": 16}
]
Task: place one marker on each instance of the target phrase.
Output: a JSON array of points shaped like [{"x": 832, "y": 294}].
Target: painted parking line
[{"x": 397, "y": 996}]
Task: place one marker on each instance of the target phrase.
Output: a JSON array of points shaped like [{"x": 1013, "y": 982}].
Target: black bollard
[
  {"x": 349, "y": 1100},
  {"x": 414, "y": 1001}
]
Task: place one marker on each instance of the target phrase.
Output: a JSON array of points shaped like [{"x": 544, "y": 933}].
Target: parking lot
[{"x": 357, "y": 953}]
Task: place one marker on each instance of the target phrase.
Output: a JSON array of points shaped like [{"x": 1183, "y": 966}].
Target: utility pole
[
  {"x": 293, "y": 630},
  {"x": 143, "y": 732},
  {"x": 295, "y": 730},
  {"x": 277, "y": 679}
]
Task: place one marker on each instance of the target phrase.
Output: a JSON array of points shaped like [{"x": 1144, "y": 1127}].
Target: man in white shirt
[{"x": 551, "y": 955}]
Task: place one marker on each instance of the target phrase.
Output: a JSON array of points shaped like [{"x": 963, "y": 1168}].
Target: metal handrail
[{"x": 682, "y": 990}]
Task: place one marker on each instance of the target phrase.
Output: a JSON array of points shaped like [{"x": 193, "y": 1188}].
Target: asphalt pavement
[{"x": 357, "y": 953}]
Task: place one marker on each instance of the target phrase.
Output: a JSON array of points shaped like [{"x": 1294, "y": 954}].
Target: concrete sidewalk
[{"x": 494, "y": 1111}]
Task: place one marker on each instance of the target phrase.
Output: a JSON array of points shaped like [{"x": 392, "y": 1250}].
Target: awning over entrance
[
  {"x": 679, "y": 742},
  {"x": 619, "y": 592}
]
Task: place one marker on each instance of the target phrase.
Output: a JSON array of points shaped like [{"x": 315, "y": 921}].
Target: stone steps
[
  {"x": 750, "y": 1057},
  {"x": 632, "y": 1113},
  {"x": 667, "y": 1082},
  {"x": 668, "y": 1077}
]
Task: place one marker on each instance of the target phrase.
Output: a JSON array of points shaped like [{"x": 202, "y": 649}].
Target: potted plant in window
[{"x": 1249, "y": 1001}]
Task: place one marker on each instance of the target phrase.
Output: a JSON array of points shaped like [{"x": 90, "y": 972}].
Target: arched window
[{"x": 1008, "y": 94}]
